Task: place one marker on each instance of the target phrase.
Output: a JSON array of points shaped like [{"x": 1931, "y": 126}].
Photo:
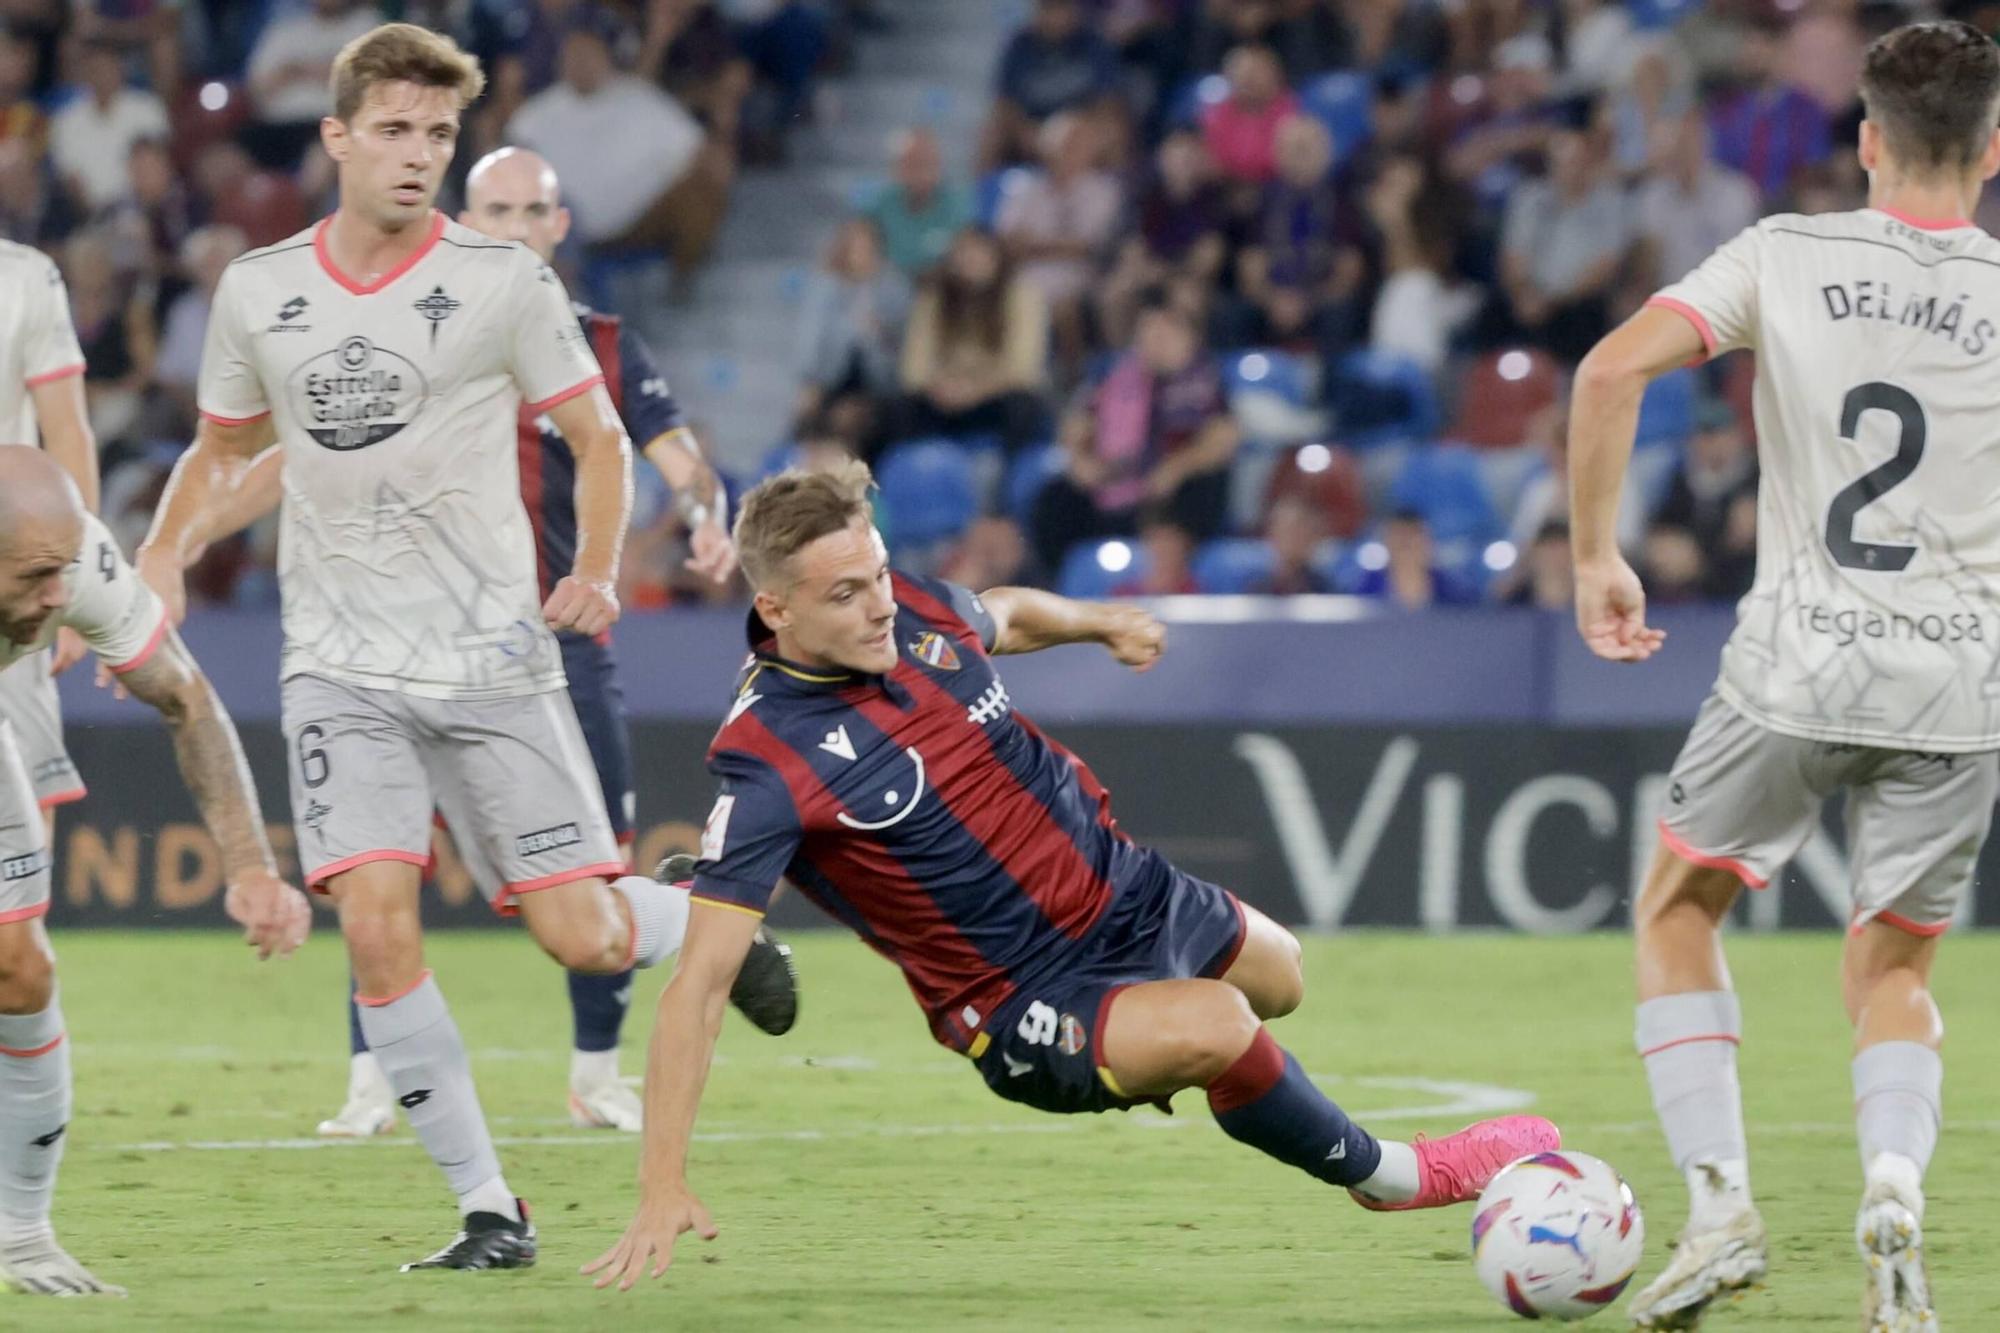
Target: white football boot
[
  {"x": 1897, "y": 1298},
  {"x": 371, "y": 1103},
  {"x": 1708, "y": 1263}
]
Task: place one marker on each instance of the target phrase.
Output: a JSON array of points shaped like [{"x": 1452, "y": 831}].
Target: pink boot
[{"x": 1454, "y": 1169}]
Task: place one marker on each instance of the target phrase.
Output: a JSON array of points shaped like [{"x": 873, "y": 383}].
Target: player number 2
[
  {"x": 1038, "y": 1025},
  {"x": 1873, "y": 485}
]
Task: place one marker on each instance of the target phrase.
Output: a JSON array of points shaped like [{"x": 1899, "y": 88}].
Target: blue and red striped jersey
[
  {"x": 918, "y": 809},
  {"x": 548, "y": 469}
]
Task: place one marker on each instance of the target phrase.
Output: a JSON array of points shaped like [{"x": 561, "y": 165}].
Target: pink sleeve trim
[
  {"x": 1906, "y": 925},
  {"x": 50, "y": 802},
  {"x": 1692, "y": 316},
  {"x": 556, "y": 400},
  {"x": 51, "y": 376},
  {"x": 221, "y": 420},
  {"x": 1686, "y": 853},
  {"x": 146, "y": 653}
]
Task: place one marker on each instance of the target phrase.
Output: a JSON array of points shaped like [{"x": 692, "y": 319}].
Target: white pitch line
[{"x": 1457, "y": 1100}]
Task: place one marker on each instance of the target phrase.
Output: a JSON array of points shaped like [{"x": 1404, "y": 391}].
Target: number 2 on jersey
[{"x": 1878, "y": 482}]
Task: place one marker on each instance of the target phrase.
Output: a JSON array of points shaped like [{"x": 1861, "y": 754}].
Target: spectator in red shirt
[{"x": 1242, "y": 129}]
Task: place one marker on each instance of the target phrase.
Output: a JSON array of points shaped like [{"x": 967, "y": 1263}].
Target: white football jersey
[
  {"x": 406, "y": 561},
  {"x": 109, "y": 605},
  {"x": 1875, "y": 615},
  {"x": 37, "y": 339}
]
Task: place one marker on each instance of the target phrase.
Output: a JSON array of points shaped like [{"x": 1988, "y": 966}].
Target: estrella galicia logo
[
  {"x": 356, "y": 395},
  {"x": 288, "y": 315},
  {"x": 437, "y": 308},
  {"x": 547, "y": 840}
]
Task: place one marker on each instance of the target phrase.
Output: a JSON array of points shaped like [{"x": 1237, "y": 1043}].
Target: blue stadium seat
[
  {"x": 992, "y": 191},
  {"x": 1380, "y": 398},
  {"x": 1446, "y": 485},
  {"x": 1185, "y": 103},
  {"x": 930, "y": 491},
  {"x": 1344, "y": 102},
  {"x": 1087, "y": 571},
  {"x": 1666, "y": 413},
  {"x": 1025, "y": 478},
  {"x": 1233, "y": 564},
  {"x": 1268, "y": 370},
  {"x": 1654, "y": 14}
]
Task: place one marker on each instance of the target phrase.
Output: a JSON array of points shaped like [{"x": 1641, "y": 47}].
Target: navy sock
[
  {"x": 597, "y": 1006},
  {"x": 1266, "y": 1101},
  {"x": 356, "y": 1043}
]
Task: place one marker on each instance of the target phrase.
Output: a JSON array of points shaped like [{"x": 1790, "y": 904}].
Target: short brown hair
[
  {"x": 402, "y": 53},
  {"x": 1933, "y": 90},
  {"x": 794, "y": 509}
]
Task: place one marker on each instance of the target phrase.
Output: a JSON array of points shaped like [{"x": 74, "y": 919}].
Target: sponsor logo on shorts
[
  {"x": 51, "y": 770},
  {"x": 548, "y": 840},
  {"x": 315, "y": 815},
  {"x": 715, "y": 834},
  {"x": 24, "y": 867},
  {"x": 1070, "y": 1036}
]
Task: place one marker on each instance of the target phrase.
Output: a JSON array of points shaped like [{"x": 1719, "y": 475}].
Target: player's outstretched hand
[
  {"x": 649, "y": 1241},
  {"x": 162, "y": 573},
  {"x": 585, "y": 608},
  {"x": 1134, "y": 635},
  {"x": 1611, "y": 612},
  {"x": 70, "y": 649},
  {"x": 276, "y": 918},
  {"x": 714, "y": 554}
]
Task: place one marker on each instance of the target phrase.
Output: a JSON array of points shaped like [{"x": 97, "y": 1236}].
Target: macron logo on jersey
[
  {"x": 715, "y": 833},
  {"x": 837, "y": 742}
]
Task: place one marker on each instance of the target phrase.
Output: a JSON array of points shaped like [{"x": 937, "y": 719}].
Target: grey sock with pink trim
[
  {"x": 34, "y": 1112},
  {"x": 1688, "y": 1043},
  {"x": 659, "y": 918},
  {"x": 419, "y": 1049}
]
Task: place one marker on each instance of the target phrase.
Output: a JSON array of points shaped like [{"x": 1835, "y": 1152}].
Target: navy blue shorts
[
  {"x": 1163, "y": 925},
  {"x": 600, "y": 710}
]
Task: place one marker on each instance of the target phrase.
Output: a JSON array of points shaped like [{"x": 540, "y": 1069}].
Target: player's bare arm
[
  {"x": 1027, "y": 620},
  {"x": 274, "y": 915},
  {"x": 1604, "y": 418},
  {"x": 586, "y": 600},
  {"x": 198, "y": 500},
  {"x": 677, "y": 1062},
  {"x": 699, "y": 499},
  {"x": 64, "y": 420}
]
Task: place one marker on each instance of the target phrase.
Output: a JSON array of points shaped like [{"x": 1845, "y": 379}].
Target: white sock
[
  {"x": 365, "y": 1077},
  {"x": 588, "y": 1068},
  {"x": 419, "y": 1049},
  {"x": 34, "y": 1113},
  {"x": 491, "y": 1196},
  {"x": 659, "y": 918},
  {"x": 1688, "y": 1043},
  {"x": 1396, "y": 1178},
  {"x": 1898, "y": 1106}
]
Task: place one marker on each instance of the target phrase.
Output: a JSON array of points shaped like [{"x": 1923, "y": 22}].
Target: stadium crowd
[{"x": 1235, "y": 295}]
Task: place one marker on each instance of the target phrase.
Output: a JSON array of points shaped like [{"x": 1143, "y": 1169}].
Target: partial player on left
[
  {"x": 60, "y": 569},
  {"x": 41, "y": 393}
]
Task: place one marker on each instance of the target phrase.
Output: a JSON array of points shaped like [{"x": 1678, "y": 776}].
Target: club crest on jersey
[
  {"x": 437, "y": 308},
  {"x": 934, "y": 650},
  {"x": 1071, "y": 1038}
]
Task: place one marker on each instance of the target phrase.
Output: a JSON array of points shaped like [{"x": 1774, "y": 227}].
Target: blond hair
[
  {"x": 791, "y": 511},
  {"x": 402, "y": 53}
]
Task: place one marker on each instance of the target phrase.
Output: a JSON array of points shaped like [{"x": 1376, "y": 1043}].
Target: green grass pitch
[{"x": 864, "y": 1178}]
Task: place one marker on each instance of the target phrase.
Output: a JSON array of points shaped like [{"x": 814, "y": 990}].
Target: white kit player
[
  {"x": 41, "y": 394},
  {"x": 60, "y": 568},
  {"x": 1866, "y": 658},
  {"x": 387, "y": 351}
]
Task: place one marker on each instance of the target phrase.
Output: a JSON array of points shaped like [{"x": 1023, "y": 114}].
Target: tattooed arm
[{"x": 274, "y": 915}]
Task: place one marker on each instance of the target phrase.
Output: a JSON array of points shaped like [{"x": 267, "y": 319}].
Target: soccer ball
[{"x": 1557, "y": 1236}]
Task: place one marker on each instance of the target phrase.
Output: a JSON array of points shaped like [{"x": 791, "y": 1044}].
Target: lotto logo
[{"x": 547, "y": 840}]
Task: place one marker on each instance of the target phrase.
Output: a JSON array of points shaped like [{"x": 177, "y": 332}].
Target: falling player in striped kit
[
  {"x": 1866, "y": 657},
  {"x": 388, "y": 351},
  {"x": 873, "y": 758}
]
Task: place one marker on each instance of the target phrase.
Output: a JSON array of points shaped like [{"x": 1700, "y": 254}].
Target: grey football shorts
[
  {"x": 510, "y": 778},
  {"x": 28, "y": 700},
  {"x": 1745, "y": 798},
  {"x": 24, "y": 850}
]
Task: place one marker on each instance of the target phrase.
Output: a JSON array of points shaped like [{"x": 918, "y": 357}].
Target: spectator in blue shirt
[{"x": 1057, "y": 63}]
